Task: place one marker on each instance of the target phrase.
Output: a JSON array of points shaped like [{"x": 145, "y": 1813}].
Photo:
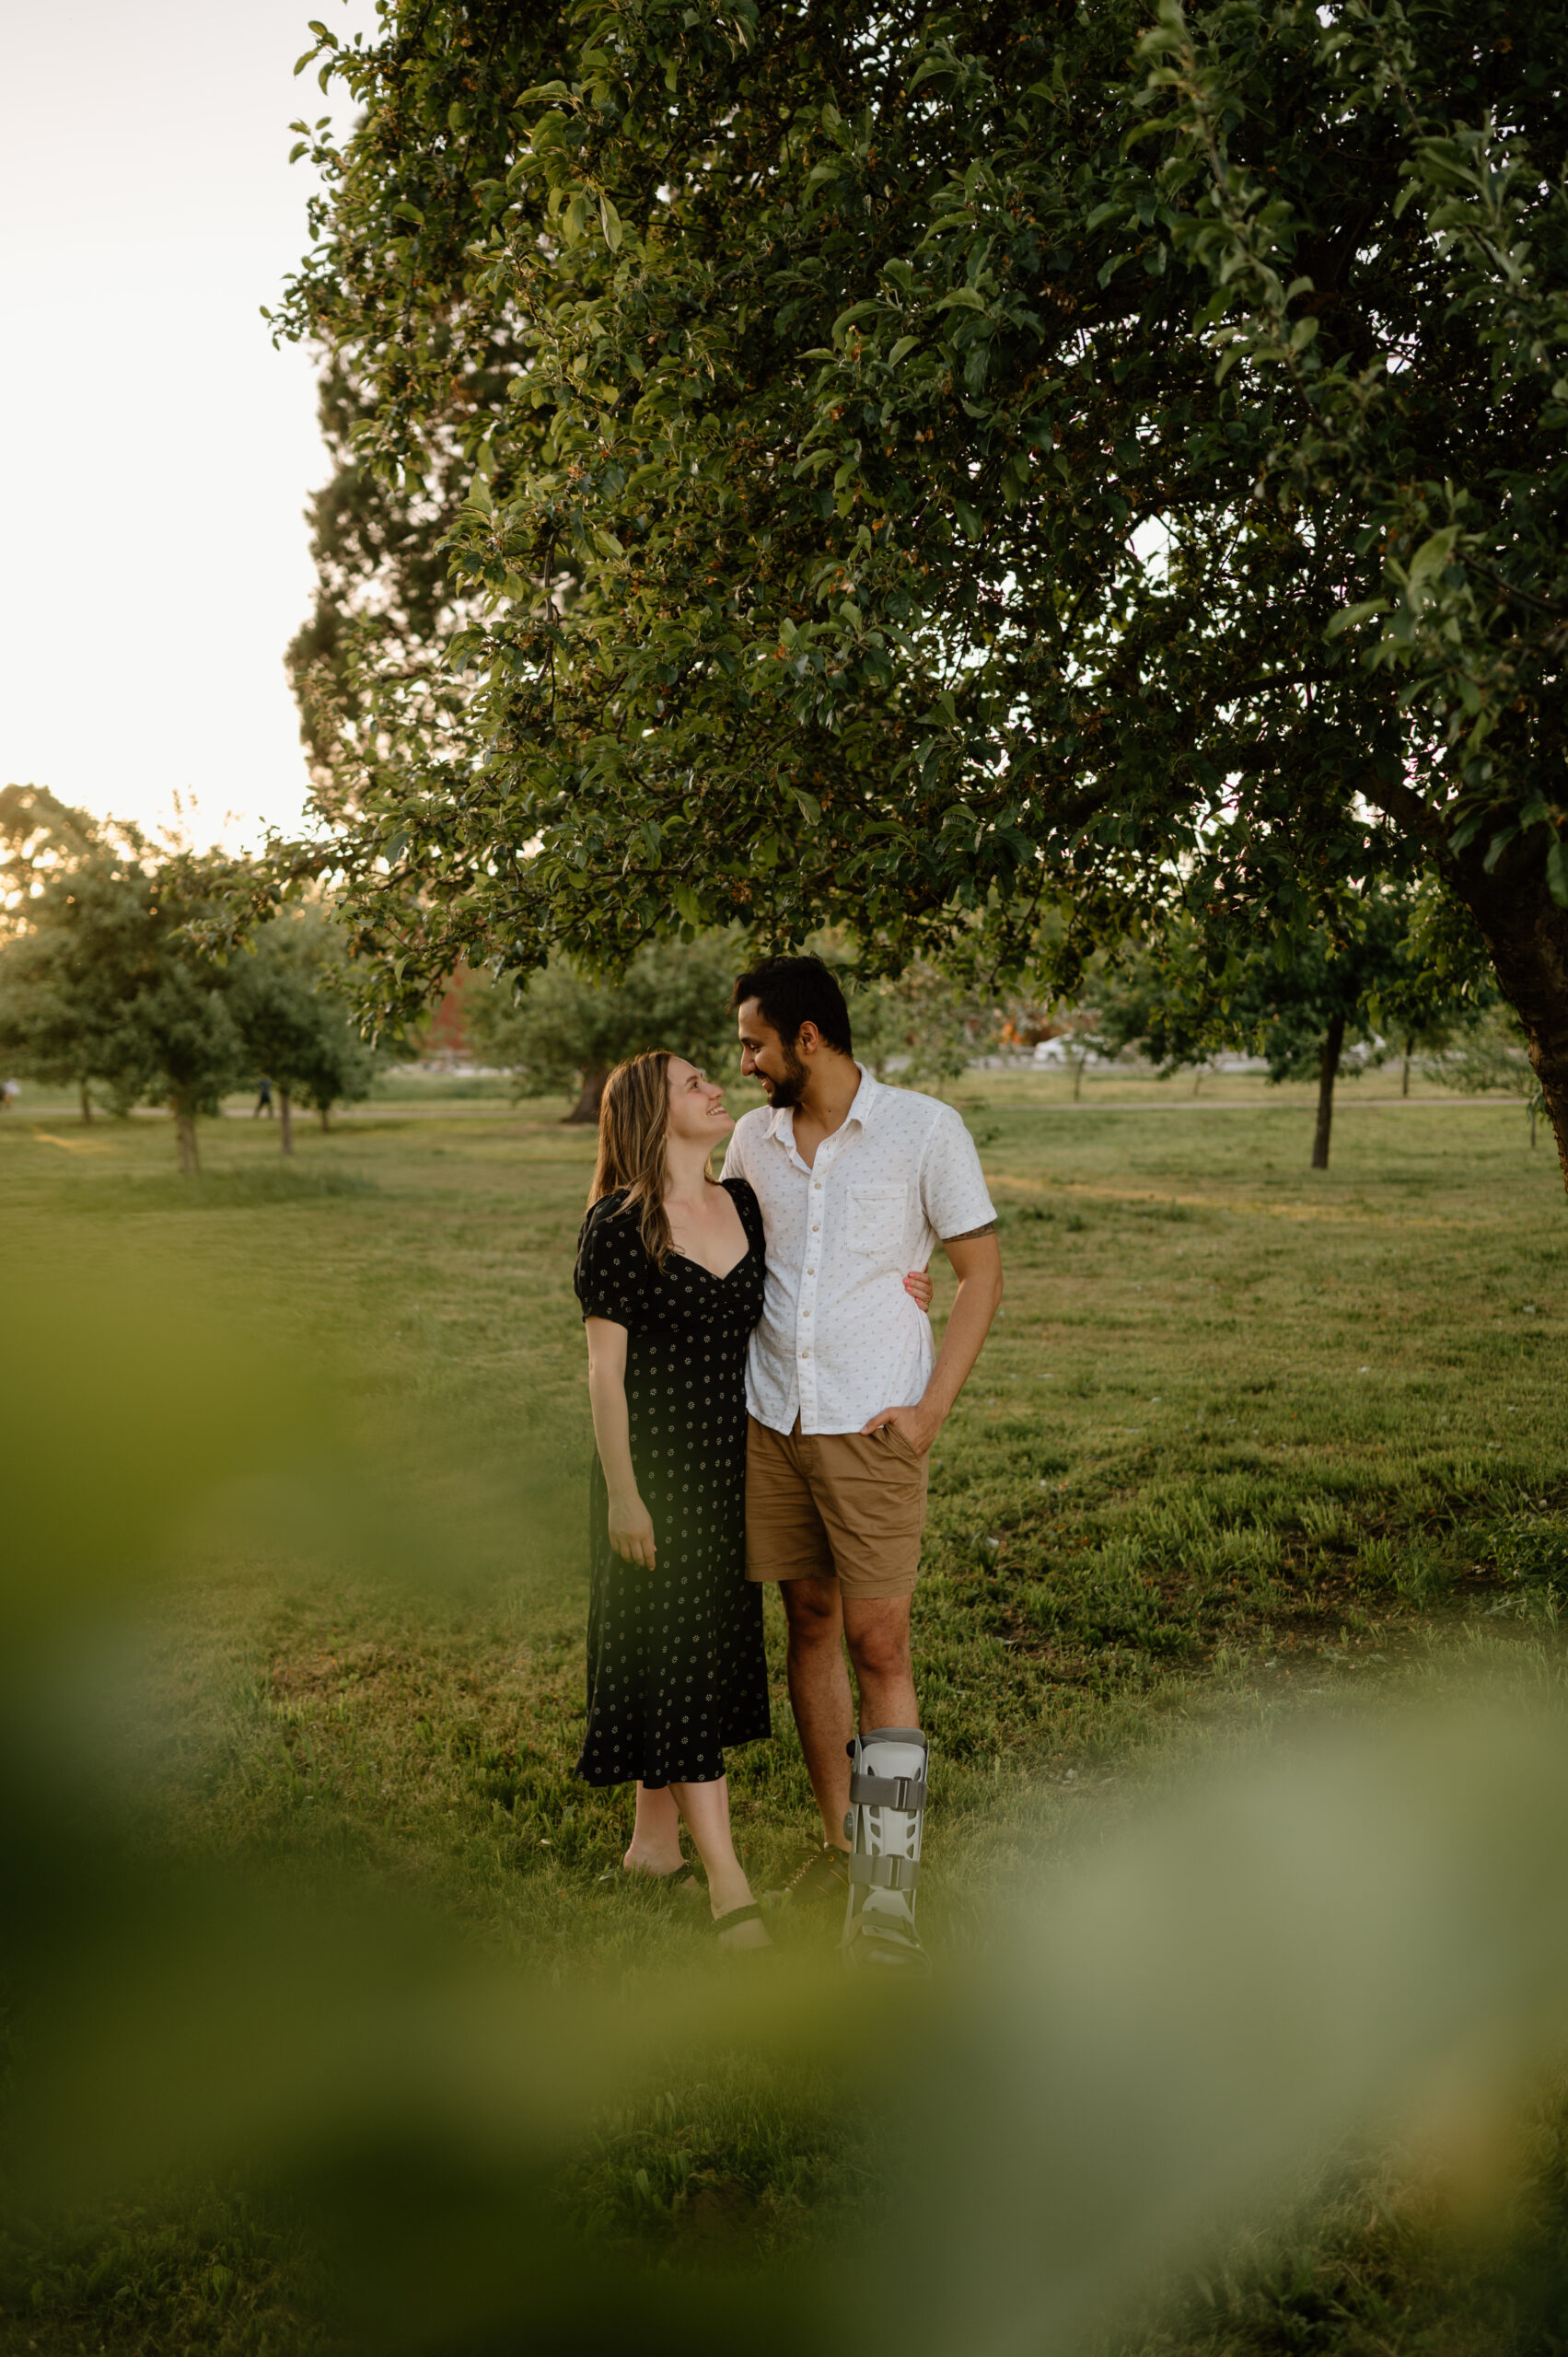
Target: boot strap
[
  {"x": 887, "y": 1791},
  {"x": 885, "y": 1874}
]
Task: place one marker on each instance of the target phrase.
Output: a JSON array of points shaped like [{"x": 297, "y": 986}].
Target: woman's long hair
[{"x": 633, "y": 1128}]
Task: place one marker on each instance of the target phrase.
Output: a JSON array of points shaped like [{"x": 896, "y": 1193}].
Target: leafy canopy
[{"x": 960, "y": 465}]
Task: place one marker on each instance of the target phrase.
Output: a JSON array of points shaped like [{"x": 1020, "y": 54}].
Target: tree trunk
[
  {"x": 185, "y": 1142},
  {"x": 1405, "y": 1080},
  {"x": 586, "y": 1109},
  {"x": 285, "y": 1118},
  {"x": 86, "y": 1103},
  {"x": 326, "y": 1113},
  {"x": 1078, "y": 1078},
  {"x": 1527, "y": 939},
  {"x": 1328, "y": 1072}
]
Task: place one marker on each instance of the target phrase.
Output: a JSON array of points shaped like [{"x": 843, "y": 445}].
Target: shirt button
[{"x": 806, "y": 1354}]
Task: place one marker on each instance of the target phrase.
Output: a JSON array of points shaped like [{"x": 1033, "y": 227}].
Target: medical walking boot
[{"x": 887, "y": 1794}]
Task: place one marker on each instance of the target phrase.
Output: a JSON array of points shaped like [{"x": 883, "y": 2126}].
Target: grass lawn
[{"x": 1245, "y": 1434}]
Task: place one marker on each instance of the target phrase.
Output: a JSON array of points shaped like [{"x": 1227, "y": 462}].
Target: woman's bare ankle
[
  {"x": 653, "y": 1861},
  {"x": 727, "y": 1891}
]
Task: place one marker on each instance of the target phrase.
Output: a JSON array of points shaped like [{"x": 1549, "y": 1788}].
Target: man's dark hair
[{"x": 793, "y": 991}]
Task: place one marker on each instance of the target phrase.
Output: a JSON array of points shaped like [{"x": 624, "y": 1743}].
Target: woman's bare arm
[{"x": 631, "y": 1524}]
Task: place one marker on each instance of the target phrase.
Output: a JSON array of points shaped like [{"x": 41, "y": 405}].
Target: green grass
[{"x": 1245, "y": 1435}]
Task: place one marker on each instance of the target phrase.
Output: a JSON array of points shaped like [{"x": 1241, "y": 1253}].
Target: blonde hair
[{"x": 633, "y": 1129}]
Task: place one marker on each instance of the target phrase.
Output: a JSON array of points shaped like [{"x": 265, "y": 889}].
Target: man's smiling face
[{"x": 764, "y": 1056}]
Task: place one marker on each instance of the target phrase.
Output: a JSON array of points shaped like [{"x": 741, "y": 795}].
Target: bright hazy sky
[{"x": 159, "y": 451}]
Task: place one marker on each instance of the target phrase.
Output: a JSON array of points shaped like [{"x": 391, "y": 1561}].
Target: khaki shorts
[{"x": 843, "y": 1505}]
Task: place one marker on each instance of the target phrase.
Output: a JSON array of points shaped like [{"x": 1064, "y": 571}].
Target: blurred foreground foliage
[{"x": 281, "y": 2100}]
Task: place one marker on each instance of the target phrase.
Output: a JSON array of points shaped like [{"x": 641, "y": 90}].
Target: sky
[{"x": 160, "y": 452}]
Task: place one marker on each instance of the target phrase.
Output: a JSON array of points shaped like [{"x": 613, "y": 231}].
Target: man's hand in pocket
[{"x": 918, "y": 1428}]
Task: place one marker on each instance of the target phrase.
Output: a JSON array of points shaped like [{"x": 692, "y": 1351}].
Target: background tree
[
  {"x": 291, "y": 1010},
  {"x": 925, "y": 1028},
  {"x": 946, "y": 464},
  {"x": 1381, "y": 971},
  {"x": 103, "y": 980},
  {"x": 1491, "y": 1054},
  {"x": 39, "y": 835},
  {"x": 566, "y": 1030}
]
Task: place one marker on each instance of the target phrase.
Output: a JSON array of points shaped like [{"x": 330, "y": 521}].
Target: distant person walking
[
  {"x": 9, "y": 1092},
  {"x": 263, "y": 1100}
]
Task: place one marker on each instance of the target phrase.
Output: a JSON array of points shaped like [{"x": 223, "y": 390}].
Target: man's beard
[{"x": 788, "y": 1091}]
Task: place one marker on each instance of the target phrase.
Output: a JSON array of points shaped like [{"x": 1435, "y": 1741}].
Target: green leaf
[
  {"x": 810, "y": 808},
  {"x": 1429, "y": 561},
  {"x": 610, "y": 221},
  {"x": 1350, "y": 616},
  {"x": 905, "y": 343},
  {"x": 1557, "y": 871}
]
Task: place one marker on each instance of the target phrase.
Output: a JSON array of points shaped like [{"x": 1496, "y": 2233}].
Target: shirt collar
[{"x": 781, "y": 1124}]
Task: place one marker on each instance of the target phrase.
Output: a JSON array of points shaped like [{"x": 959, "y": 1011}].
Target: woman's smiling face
[{"x": 696, "y": 1103}]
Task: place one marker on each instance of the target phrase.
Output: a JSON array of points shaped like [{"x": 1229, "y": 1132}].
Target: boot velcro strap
[
  {"x": 887, "y": 1791},
  {"x": 885, "y": 1874}
]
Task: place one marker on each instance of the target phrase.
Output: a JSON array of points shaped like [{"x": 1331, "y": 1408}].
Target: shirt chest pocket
[{"x": 876, "y": 1220}]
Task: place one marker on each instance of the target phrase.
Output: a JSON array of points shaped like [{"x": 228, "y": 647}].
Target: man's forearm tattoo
[{"x": 971, "y": 1232}]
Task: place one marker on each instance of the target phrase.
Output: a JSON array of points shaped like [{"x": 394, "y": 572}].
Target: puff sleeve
[{"x": 611, "y": 1274}]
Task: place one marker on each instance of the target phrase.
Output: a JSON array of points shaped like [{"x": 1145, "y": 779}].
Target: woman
[{"x": 670, "y": 1274}]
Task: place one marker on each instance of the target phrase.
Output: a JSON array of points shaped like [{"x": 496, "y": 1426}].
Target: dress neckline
[
  {"x": 693, "y": 1263},
  {"x": 729, "y": 1273}
]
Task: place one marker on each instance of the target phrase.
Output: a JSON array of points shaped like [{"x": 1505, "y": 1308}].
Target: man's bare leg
[
  {"x": 820, "y": 1695},
  {"x": 877, "y": 1628}
]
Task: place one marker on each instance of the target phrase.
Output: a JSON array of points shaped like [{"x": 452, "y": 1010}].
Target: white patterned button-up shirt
[{"x": 838, "y": 1337}]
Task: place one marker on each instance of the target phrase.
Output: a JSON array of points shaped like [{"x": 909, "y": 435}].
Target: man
[{"x": 857, "y": 1183}]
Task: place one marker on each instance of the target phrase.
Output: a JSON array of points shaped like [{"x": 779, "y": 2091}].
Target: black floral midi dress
[{"x": 676, "y": 1666}]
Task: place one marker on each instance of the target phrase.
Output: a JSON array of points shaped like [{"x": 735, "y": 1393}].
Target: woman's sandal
[
  {"x": 680, "y": 1877},
  {"x": 732, "y": 1922}
]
